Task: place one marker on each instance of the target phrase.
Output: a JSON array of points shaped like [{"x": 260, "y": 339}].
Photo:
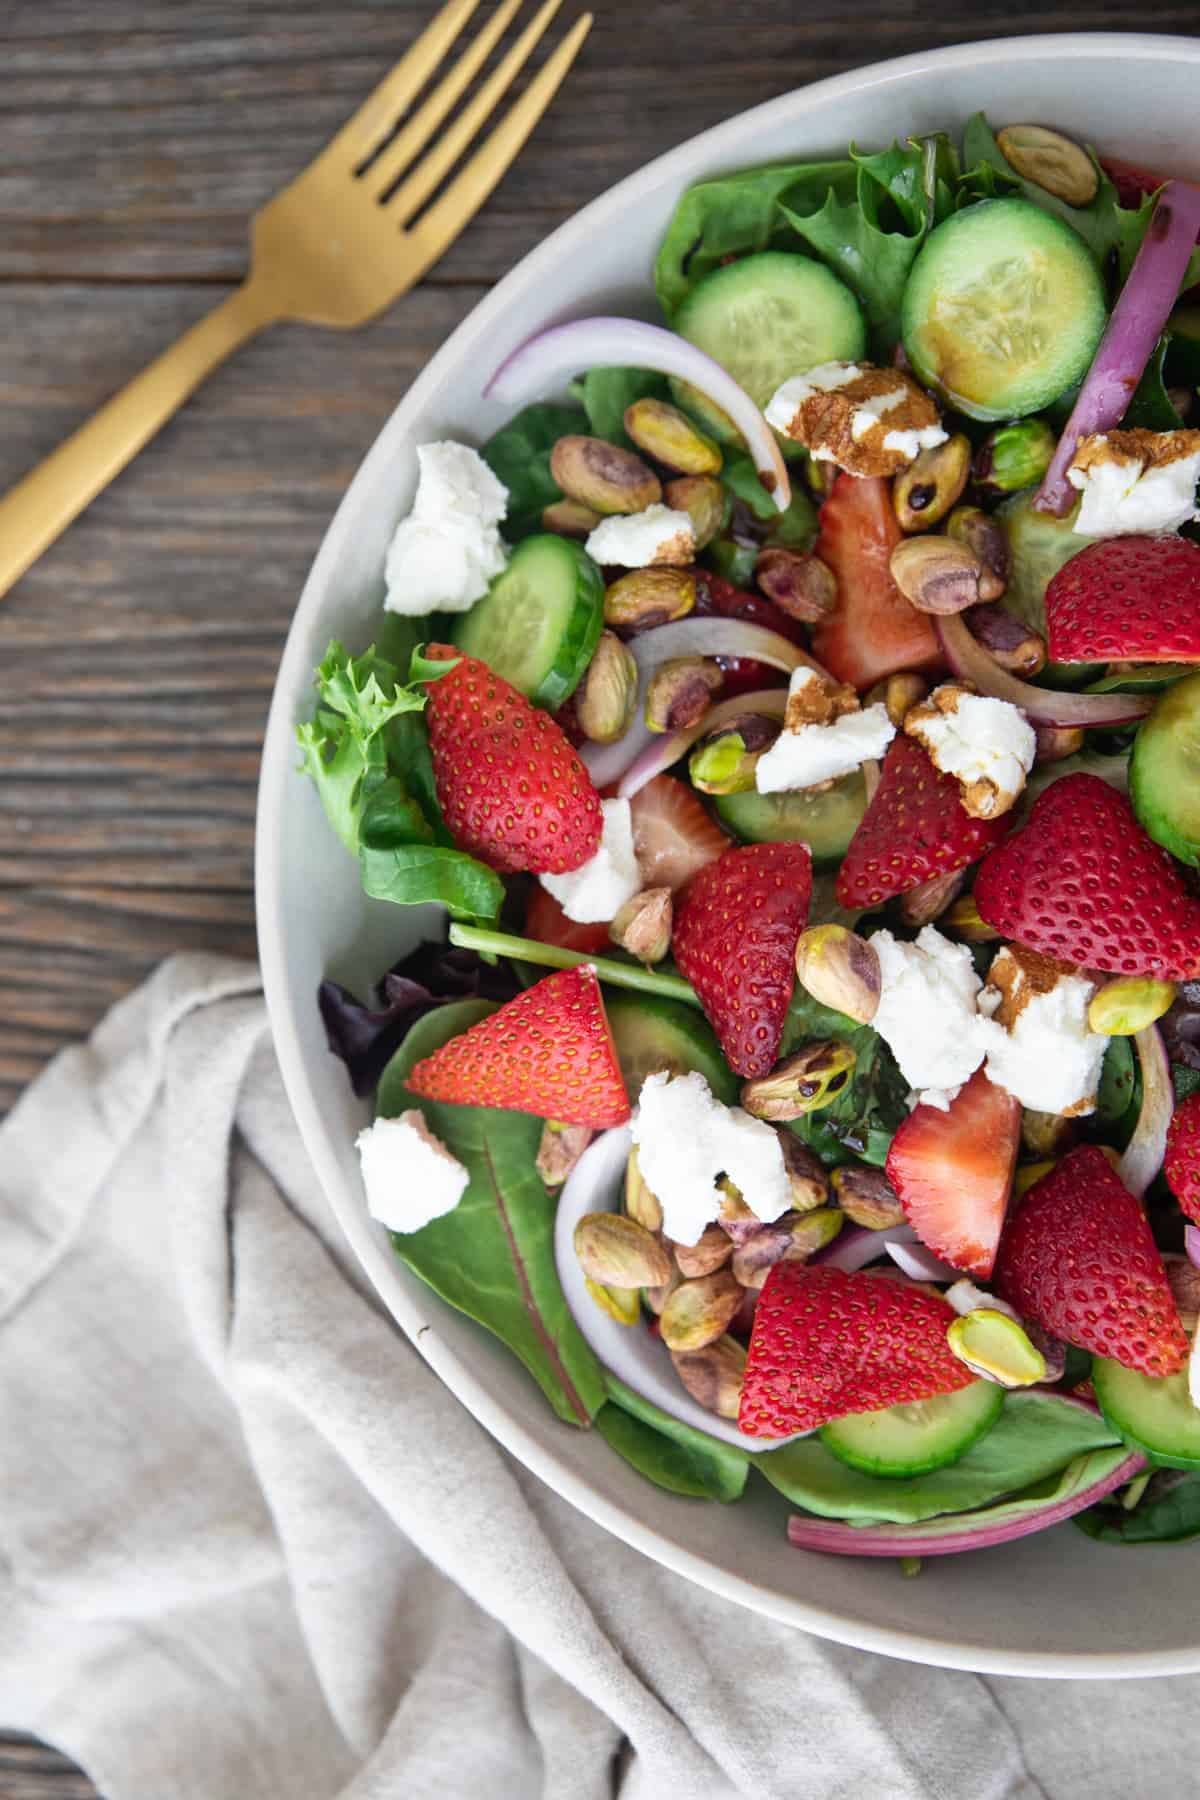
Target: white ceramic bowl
[{"x": 1053, "y": 1604}]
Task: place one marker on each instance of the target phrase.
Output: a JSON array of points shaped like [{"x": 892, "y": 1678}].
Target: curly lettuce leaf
[{"x": 342, "y": 744}]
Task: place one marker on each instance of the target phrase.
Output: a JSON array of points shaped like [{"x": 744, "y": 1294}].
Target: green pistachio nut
[
  {"x": 1013, "y": 457},
  {"x": 704, "y": 500},
  {"x": 1128, "y": 1004},
  {"x": 806, "y": 1173},
  {"x": 616, "y": 1251},
  {"x": 841, "y": 970},
  {"x": 996, "y": 1347},
  {"x": 606, "y": 698},
  {"x": 603, "y": 477},
  {"x": 648, "y": 597},
  {"x": 986, "y": 537},
  {"x": 669, "y": 437},
  {"x": 643, "y": 925},
  {"x": 711, "y": 1253},
  {"x": 724, "y": 762},
  {"x": 794, "y": 1238},
  {"x": 714, "y": 1375},
  {"x": 621, "y": 1304},
  {"x": 681, "y": 690},
  {"x": 812, "y": 1077},
  {"x": 640, "y": 1204},
  {"x": 867, "y": 1197},
  {"x": 924, "y": 492},
  {"x": 699, "y": 1312}
]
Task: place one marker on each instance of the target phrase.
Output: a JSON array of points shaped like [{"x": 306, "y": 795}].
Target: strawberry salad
[{"x": 797, "y": 724}]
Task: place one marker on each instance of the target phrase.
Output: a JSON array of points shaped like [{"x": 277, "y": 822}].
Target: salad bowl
[{"x": 1054, "y": 1604}]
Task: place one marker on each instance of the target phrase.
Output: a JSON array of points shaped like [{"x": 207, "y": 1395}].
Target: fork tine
[
  {"x": 443, "y": 222},
  {"x": 365, "y": 129},
  {"x": 392, "y": 161},
  {"x": 428, "y": 174}
]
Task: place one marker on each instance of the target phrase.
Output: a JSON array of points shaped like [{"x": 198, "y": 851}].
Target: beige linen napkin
[{"x": 250, "y": 1547}]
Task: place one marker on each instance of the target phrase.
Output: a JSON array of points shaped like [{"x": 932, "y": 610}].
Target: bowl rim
[{"x": 278, "y": 766}]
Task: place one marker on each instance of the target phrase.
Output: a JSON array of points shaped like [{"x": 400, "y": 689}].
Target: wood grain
[{"x": 138, "y": 655}]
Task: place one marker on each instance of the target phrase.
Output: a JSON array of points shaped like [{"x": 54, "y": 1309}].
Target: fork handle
[{"x": 44, "y": 503}]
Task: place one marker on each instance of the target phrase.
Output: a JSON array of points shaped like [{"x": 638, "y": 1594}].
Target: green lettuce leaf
[
  {"x": 493, "y": 1256},
  {"x": 861, "y": 1122},
  {"x": 797, "y": 527},
  {"x": 519, "y": 455},
  {"x": 1032, "y": 1445},
  {"x": 668, "y": 1452},
  {"x": 1168, "y": 1512},
  {"x": 606, "y": 394},
  {"x": 343, "y": 745},
  {"x": 1151, "y": 407}
]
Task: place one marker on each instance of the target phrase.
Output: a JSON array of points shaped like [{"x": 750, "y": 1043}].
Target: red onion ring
[
  {"x": 1143, "y": 1156},
  {"x": 1041, "y": 706}
]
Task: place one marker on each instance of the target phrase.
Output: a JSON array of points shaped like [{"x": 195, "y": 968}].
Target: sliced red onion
[
  {"x": 1191, "y": 1243},
  {"x": 562, "y": 352},
  {"x": 956, "y": 1531},
  {"x": 686, "y": 637},
  {"x": 920, "y": 1264},
  {"x": 1041, "y": 706},
  {"x": 855, "y": 1247},
  {"x": 1143, "y": 1157},
  {"x": 1143, "y": 307},
  {"x": 666, "y": 748}
]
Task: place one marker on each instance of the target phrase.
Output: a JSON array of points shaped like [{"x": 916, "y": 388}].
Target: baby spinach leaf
[
  {"x": 734, "y": 215},
  {"x": 1034, "y": 1442},
  {"x": 1151, "y": 408},
  {"x": 493, "y": 1256},
  {"x": 1119, "y": 1095},
  {"x": 796, "y": 527},
  {"x": 1167, "y": 1513},
  {"x": 668, "y": 1452},
  {"x": 862, "y": 1121},
  {"x": 606, "y": 394},
  {"x": 519, "y": 455},
  {"x": 411, "y": 874}
]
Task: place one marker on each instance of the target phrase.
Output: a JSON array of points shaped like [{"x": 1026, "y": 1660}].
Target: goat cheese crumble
[
  {"x": 1135, "y": 481},
  {"x": 927, "y": 1015},
  {"x": 599, "y": 888},
  {"x": 660, "y": 534},
  {"x": 821, "y": 749},
  {"x": 686, "y": 1138},
  {"x": 987, "y": 745},
  {"x": 1039, "y": 1045},
  {"x": 409, "y": 1175},
  {"x": 448, "y": 550}
]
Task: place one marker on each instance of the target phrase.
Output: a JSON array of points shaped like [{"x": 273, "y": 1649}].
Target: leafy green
[
  {"x": 736, "y": 214},
  {"x": 1185, "y": 1081},
  {"x": 1168, "y": 1512},
  {"x": 1151, "y": 407},
  {"x": 368, "y": 753},
  {"x": 493, "y": 1256},
  {"x": 797, "y": 527},
  {"x": 668, "y": 1452},
  {"x": 606, "y": 394},
  {"x": 519, "y": 455},
  {"x": 1034, "y": 1441},
  {"x": 1119, "y": 1096},
  {"x": 863, "y": 1119}
]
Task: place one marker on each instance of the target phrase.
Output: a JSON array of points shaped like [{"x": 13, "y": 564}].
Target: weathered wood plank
[{"x": 31, "y": 1771}]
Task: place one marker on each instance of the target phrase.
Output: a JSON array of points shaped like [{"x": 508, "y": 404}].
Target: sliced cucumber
[
  {"x": 1164, "y": 772},
  {"x": 1003, "y": 309},
  {"x": 1154, "y": 1415},
  {"x": 914, "y": 1438},
  {"x": 652, "y": 1034},
  {"x": 825, "y": 822},
  {"x": 765, "y": 318},
  {"x": 540, "y": 620},
  {"x": 1038, "y": 546}
]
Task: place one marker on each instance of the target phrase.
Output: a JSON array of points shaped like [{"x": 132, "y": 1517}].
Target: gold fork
[{"x": 336, "y": 247}]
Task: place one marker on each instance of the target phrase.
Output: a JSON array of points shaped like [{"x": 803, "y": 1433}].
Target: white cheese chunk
[
  {"x": 787, "y": 400},
  {"x": 686, "y": 1139},
  {"x": 1047, "y": 1058},
  {"x": 596, "y": 892},
  {"x": 409, "y": 1175},
  {"x": 978, "y": 739},
  {"x": 910, "y": 443},
  {"x": 1124, "y": 496},
  {"x": 810, "y": 753},
  {"x": 660, "y": 534},
  {"x": 444, "y": 555},
  {"x": 927, "y": 1015}
]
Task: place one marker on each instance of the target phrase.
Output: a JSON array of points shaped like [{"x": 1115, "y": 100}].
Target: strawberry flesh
[
  {"x": 1082, "y": 882},
  {"x": 1078, "y": 1257},
  {"x": 873, "y": 630},
  {"x": 673, "y": 836},
  {"x": 1133, "y": 599},
  {"x": 735, "y": 941},
  {"x": 953, "y": 1172},
  {"x": 826, "y": 1343},
  {"x": 717, "y": 598},
  {"x": 1181, "y": 1164},
  {"x": 546, "y": 921},
  {"x": 549, "y": 1051},
  {"x": 512, "y": 790},
  {"x": 915, "y": 830}
]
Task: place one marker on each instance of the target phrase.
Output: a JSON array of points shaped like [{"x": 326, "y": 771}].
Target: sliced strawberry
[
  {"x": 549, "y": 1052},
  {"x": 825, "y": 1344},
  {"x": 1135, "y": 599},
  {"x": 719, "y": 599},
  {"x": 735, "y": 941},
  {"x": 1078, "y": 1257},
  {"x": 1082, "y": 882},
  {"x": 512, "y": 790},
  {"x": 873, "y": 631},
  {"x": 546, "y": 921},
  {"x": 953, "y": 1172},
  {"x": 1132, "y": 182},
  {"x": 1181, "y": 1165},
  {"x": 915, "y": 830},
  {"x": 673, "y": 835}
]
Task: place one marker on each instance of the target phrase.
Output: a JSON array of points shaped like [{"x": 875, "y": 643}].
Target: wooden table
[{"x": 138, "y": 655}]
